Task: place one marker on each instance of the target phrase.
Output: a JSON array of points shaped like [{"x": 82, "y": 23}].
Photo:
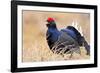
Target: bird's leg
[
  {"x": 71, "y": 55},
  {"x": 80, "y": 52},
  {"x": 62, "y": 54}
]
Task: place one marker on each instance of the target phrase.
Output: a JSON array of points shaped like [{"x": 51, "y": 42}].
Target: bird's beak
[
  {"x": 47, "y": 21},
  {"x": 47, "y": 25}
]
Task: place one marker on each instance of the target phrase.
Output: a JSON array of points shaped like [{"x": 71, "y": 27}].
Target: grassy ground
[{"x": 38, "y": 50}]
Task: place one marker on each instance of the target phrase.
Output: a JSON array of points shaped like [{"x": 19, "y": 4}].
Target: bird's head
[{"x": 51, "y": 22}]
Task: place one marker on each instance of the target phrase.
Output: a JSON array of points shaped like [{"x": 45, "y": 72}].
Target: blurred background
[{"x": 35, "y": 46}]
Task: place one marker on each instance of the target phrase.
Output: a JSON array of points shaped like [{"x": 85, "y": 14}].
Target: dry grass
[
  {"x": 35, "y": 46},
  {"x": 39, "y": 51}
]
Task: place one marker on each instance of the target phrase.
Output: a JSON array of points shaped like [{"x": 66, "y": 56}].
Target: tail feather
[
  {"x": 87, "y": 46},
  {"x": 80, "y": 39}
]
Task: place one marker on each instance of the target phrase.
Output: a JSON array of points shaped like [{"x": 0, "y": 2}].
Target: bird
[{"x": 67, "y": 40}]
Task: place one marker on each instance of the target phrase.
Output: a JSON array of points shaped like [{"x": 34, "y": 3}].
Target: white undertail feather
[
  {"x": 73, "y": 24},
  {"x": 78, "y": 27}
]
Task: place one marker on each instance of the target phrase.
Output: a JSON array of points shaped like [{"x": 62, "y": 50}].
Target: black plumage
[{"x": 66, "y": 40}]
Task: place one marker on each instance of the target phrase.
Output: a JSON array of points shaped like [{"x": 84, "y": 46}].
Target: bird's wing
[
  {"x": 77, "y": 33},
  {"x": 70, "y": 33},
  {"x": 66, "y": 44}
]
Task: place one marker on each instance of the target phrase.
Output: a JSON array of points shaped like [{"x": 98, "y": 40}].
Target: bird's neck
[
  {"x": 53, "y": 28},
  {"x": 52, "y": 25}
]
